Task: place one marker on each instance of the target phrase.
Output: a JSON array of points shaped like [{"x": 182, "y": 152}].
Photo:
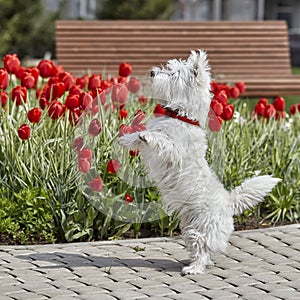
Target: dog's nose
[{"x": 152, "y": 73}]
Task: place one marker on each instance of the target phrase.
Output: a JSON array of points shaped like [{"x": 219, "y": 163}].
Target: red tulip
[
  {"x": 228, "y": 111},
  {"x": 222, "y": 97},
  {"x": 75, "y": 90},
  {"x": 96, "y": 184},
  {"x": 24, "y": 132},
  {"x": 122, "y": 114},
  {"x": 134, "y": 85},
  {"x": 55, "y": 90},
  {"x": 55, "y": 110},
  {"x": 19, "y": 94},
  {"x": 20, "y": 72},
  {"x": 82, "y": 81},
  {"x": 264, "y": 101},
  {"x": 11, "y": 63},
  {"x": 67, "y": 79},
  {"x": 241, "y": 86},
  {"x": 86, "y": 154},
  {"x": 217, "y": 107},
  {"x": 28, "y": 80},
  {"x": 139, "y": 117},
  {"x": 259, "y": 109},
  {"x": 125, "y": 69},
  {"x": 84, "y": 165},
  {"x": 125, "y": 129},
  {"x": 35, "y": 73},
  {"x": 128, "y": 198},
  {"x": 72, "y": 102},
  {"x": 46, "y": 68},
  {"x": 94, "y": 82},
  {"x": 34, "y": 115},
  {"x": 113, "y": 166},
  {"x": 85, "y": 101},
  {"x": 78, "y": 144},
  {"x": 215, "y": 123},
  {"x": 234, "y": 92},
  {"x": 119, "y": 95},
  {"x": 94, "y": 127},
  {"x": 279, "y": 104},
  {"x": 293, "y": 109},
  {"x": 43, "y": 102},
  {"x": 134, "y": 153},
  {"x": 4, "y": 79},
  {"x": 105, "y": 86},
  {"x": 270, "y": 111},
  {"x": 3, "y": 98}
]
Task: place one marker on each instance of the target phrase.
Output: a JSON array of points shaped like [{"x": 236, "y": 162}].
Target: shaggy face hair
[
  {"x": 184, "y": 86},
  {"x": 173, "y": 152}
]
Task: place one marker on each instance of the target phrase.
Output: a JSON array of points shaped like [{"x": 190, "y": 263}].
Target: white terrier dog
[{"x": 173, "y": 150}]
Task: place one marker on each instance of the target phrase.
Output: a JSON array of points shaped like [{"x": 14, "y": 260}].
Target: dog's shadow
[{"x": 57, "y": 260}]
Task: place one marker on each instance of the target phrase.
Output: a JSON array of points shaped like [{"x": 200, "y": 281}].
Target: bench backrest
[{"x": 249, "y": 48}]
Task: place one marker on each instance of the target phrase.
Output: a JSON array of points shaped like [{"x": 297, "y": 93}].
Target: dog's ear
[{"x": 198, "y": 60}]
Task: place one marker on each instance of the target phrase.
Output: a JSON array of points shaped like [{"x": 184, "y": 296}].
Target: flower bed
[{"x": 64, "y": 177}]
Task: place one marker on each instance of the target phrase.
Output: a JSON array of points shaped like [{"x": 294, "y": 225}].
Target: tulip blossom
[
  {"x": 19, "y": 94},
  {"x": 215, "y": 123},
  {"x": 34, "y": 115},
  {"x": 84, "y": 165},
  {"x": 4, "y": 79},
  {"x": 96, "y": 184},
  {"x": 113, "y": 166},
  {"x": 128, "y": 198},
  {"x": 217, "y": 107},
  {"x": 125, "y": 69},
  {"x": 270, "y": 111},
  {"x": 55, "y": 110},
  {"x": 94, "y": 82},
  {"x": 125, "y": 129},
  {"x": 77, "y": 144},
  {"x": 279, "y": 104},
  {"x": 85, "y": 153},
  {"x": 11, "y": 63},
  {"x": 122, "y": 114},
  {"x": 72, "y": 102},
  {"x": 134, "y": 85},
  {"x": 28, "y": 80},
  {"x": 24, "y": 132},
  {"x": 139, "y": 117},
  {"x": 94, "y": 127},
  {"x": 228, "y": 111},
  {"x": 46, "y": 68},
  {"x": 119, "y": 95},
  {"x": 241, "y": 86},
  {"x": 85, "y": 101},
  {"x": 67, "y": 79},
  {"x": 3, "y": 98}
]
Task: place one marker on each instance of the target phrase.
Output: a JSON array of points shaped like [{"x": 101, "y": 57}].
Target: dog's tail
[{"x": 251, "y": 192}]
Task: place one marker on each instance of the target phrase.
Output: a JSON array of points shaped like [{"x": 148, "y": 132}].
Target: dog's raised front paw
[{"x": 192, "y": 270}]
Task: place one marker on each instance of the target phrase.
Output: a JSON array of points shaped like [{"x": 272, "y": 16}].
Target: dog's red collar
[{"x": 159, "y": 111}]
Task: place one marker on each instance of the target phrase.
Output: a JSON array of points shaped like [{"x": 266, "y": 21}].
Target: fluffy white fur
[{"x": 174, "y": 153}]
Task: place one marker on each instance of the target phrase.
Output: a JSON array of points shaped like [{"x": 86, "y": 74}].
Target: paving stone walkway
[{"x": 259, "y": 264}]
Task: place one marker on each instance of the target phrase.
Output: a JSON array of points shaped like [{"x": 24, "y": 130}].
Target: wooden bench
[{"x": 256, "y": 52}]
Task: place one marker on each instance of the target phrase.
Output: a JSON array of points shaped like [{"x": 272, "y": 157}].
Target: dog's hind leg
[{"x": 200, "y": 258}]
